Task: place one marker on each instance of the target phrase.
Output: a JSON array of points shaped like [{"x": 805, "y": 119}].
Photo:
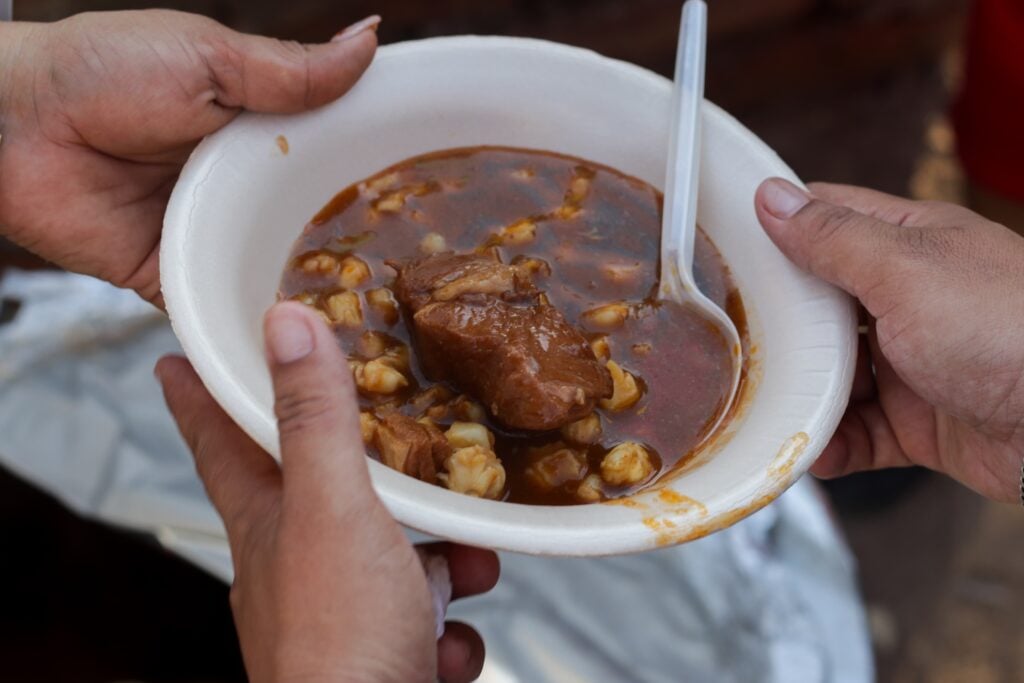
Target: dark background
[{"x": 845, "y": 90}]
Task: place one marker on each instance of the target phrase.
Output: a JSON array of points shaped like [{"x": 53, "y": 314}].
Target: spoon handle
[
  {"x": 6, "y": 10},
  {"x": 682, "y": 173}
]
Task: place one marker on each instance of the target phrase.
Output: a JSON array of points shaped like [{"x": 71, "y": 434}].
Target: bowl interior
[{"x": 242, "y": 201}]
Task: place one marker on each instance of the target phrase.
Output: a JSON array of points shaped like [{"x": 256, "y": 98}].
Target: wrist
[{"x": 18, "y": 62}]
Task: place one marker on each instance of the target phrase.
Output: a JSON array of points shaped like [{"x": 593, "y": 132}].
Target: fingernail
[
  {"x": 288, "y": 334},
  {"x": 367, "y": 24},
  {"x": 782, "y": 198}
]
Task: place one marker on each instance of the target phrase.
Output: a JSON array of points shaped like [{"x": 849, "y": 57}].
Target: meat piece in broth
[
  {"x": 411, "y": 447},
  {"x": 484, "y": 326}
]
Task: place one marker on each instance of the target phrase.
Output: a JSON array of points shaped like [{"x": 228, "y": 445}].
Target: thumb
[
  {"x": 322, "y": 455},
  {"x": 853, "y": 251},
  {"x": 274, "y": 76}
]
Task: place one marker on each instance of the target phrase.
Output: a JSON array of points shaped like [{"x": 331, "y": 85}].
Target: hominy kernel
[
  {"x": 578, "y": 189},
  {"x": 377, "y": 377},
  {"x": 465, "y": 434},
  {"x": 474, "y": 471},
  {"x": 621, "y": 273},
  {"x": 627, "y": 464},
  {"x": 368, "y": 426},
  {"x": 566, "y": 212},
  {"x": 532, "y": 266},
  {"x": 609, "y": 316},
  {"x": 591, "y": 489},
  {"x": 391, "y": 203},
  {"x": 354, "y": 272},
  {"x": 584, "y": 432},
  {"x": 520, "y": 232},
  {"x": 642, "y": 349},
  {"x": 468, "y": 410},
  {"x": 626, "y": 391},
  {"x": 433, "y": 243},
  {"x": 373, "y": 344},
  {"x": 320, "y": 263},
  {"x": 344, "y": 308},
  {"x": 382, "y": 301},
  {"x": 381, "y": 183},
  {"x": 397, "y": 356}
]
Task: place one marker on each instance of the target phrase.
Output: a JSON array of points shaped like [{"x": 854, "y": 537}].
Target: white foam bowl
[{"x": 241, "y": 202}]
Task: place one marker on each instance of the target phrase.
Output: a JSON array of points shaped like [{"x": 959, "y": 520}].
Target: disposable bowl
[{"x": 249, "y": 189}]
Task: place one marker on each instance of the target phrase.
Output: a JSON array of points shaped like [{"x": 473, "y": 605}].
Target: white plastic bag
[{"x": 772, "y": 599}]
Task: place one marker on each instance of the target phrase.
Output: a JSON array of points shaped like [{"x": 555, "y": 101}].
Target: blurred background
[{"x": 854, "y": 91}]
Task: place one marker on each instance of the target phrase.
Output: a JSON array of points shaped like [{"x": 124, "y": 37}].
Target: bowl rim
[{"x": 424, "y": 507}]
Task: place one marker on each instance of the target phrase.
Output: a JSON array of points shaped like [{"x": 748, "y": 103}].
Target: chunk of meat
[
  {"x": 557, "y": 468},
  {"x": 448, "y": 276},
  {"x": 411, "y": 447},
  {"x": 484, "y": 326}
]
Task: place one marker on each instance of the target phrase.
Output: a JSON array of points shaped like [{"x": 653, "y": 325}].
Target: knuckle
[
  {"x": 295, "y": 79},
  {"x": 946, "y": 210},
  {"x": 301, "y": 408},
  {"x": 831, "y": 221},
  {"x": 933, "y": 213},
  {"x": 934, "y": 206},
  {"x": 225, "y": 66},
  {"x": 200, "y": 445},
  {"x": 920, "y": 243},
  {"x": 291, "y": 50},
  {"x": 211, "y": 470}
]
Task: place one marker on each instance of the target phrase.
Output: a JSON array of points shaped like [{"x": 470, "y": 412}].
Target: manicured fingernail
[
  {"x": 367, "y": 24},
  {"x": 782, "y": 198},
  {"x": 288, "y": 334}
]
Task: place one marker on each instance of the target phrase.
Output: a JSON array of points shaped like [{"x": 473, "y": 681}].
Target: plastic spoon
[{"x": 679, "y": 222}]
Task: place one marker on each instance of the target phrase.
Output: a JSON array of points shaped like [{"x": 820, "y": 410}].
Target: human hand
[
  {"x": 944, "y": 292},
  {"x": 327, "y": 587},
  {"x": 99, "y": 112}
]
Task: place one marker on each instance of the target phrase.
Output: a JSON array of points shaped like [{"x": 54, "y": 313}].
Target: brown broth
[{"x": 469, "y": 194}]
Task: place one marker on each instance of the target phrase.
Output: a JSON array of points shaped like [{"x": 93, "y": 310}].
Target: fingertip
[
  {"x": 460, "y": 653},
  {"x": 833, "y": 461},
  {"x": 163, "y": 367},
  {"x": 339, "y": 65},
  {"x": 289, "y": 308},
  {"x": 173, "y": 371},
  {"x": 370, "y": 23},
  {"x": 780, "y": 198},
  {"x": 272, "y": 76},
  {"x": 296, "y": 311},
  {"x": 473, "y": 570},
  {"x": 288, "y": 332}
]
